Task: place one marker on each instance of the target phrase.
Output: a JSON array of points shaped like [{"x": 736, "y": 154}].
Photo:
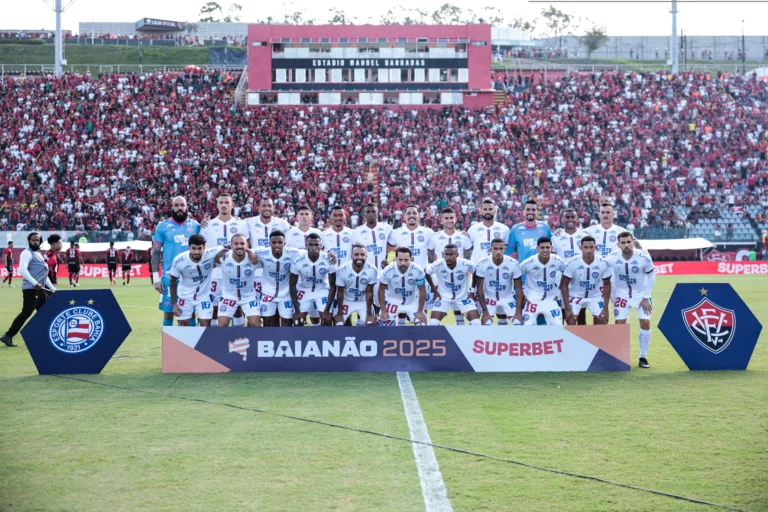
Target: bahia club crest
[{"x": 76, "y": 329}]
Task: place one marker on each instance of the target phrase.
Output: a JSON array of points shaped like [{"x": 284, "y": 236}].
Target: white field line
[{"x": 432, "y": 485}]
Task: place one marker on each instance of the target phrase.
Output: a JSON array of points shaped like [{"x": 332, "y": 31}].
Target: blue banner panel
[
  {"x": 76, "y": 331},
  {"x": 710, "y": 327},
  {"x": 389, "y": 349}
]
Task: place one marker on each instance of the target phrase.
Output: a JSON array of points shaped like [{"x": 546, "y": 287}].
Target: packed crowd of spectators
[{"x": 79, "y": 153}]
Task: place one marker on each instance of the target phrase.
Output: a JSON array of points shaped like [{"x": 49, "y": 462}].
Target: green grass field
[{"x": 70, "y": 445}]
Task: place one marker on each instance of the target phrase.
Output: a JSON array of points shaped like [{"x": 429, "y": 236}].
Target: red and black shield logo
[{"x": 711, "y": 325}]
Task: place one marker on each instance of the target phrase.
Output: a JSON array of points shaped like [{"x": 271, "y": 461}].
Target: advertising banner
[
  {"x": 704, "y": 268},
  {"x": 390, "y": 349},
  {"x": 94, "y": 270}
]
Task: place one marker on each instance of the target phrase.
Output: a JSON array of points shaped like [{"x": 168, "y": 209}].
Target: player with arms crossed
[
  {"x": 275, "y": 262},
  {"x": 313, "y": 283},
  {"x": 74, "y": 264},
  {"x": 452, "y": 289},
  {"x": 584, "y": 277},
  {"x": 126, "y": 258},
  {"x": 238, "y": 268},
  {"x": 171, "y": 238},
  {"x": 8, "y": 261},
  {"x": 498, "y": 280},
  {"x": 402, "y": 291},
  {"x": 190, "y": 282},
  {"x": 449, "y": 235},
  {"x": 296, "y": 236},
  {"x": 542, "y": 273},
  {"x": 633, "y": 278},
  {"x": 112, "y": 257},
  {"x": 219, "y": 232},
  {"x": 355, "y": 281}
]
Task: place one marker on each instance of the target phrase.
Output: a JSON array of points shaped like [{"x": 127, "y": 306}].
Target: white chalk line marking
[{"x": 432, "y": 485}]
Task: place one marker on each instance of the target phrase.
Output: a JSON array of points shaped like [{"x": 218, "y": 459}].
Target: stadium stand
[{"x": 686, "y": 154}]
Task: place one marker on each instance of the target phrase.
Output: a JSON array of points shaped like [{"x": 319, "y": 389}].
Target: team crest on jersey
[
  {"x": 364, "y": 281},
  {"x": 248, "y": 273},
  {"x": 505, "y": 276},
  {"x": 322, "y": 271},
  {"x": 233, "y": 230},
  {"x": 207, "y": 266},
  {"x": 595, "y": 275},
  {"x": 76, "y": 330},
  {"x": 460, "y": 277},
  {"x": 345, "y": 239},
  {"x": 635, "y": 270},
  {"x": 421, "y": 238},
  {"x": 274, "y": 228},
  {"x": 496, "y": 234},
  {"x": 552, "y": 274},
  {"x": 711, "y": 325},
  {"x": 458, "y": 244},
  {"x": 612, "y": 238},
  {"x": 411, "y": 282}
]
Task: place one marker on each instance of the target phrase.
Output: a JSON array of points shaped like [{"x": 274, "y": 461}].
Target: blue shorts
[{"x": 166, "y": 305}]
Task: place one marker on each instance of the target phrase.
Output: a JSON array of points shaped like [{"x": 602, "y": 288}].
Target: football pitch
[{"x": 100, "y": 443}]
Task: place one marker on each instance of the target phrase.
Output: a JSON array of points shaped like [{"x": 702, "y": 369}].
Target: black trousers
[{"x": 33, "y": 300}]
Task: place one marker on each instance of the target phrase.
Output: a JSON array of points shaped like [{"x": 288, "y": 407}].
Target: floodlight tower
[
  {"x": 57, "y": 49},
  {"x": 673, "y": 43}
]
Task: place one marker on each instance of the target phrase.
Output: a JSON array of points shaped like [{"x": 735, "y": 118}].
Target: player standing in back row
[
  {"x": 373, "y": 235},
  {"x": 296, "y": 236},
  {"x": 171, "y": 238},
  {"x": 449, "y": 236},
  {"x": 482, "y": 233},
  {"x": 219, "y": 232},
  {"x": 259, "y": 228},
  {"x": 416, "y": 238}
]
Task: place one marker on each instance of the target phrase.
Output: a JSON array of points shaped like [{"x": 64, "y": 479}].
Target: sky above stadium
[{"x": 629, "y": 19}]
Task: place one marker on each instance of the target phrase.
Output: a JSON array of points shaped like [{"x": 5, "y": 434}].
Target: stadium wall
[{"x": 645, "y": 47}]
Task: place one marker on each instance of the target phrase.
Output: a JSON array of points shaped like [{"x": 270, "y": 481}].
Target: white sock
[
  {"x": 503, "y": 321},
  {"x": 645, "y": 341},
  {"x": 434, "y": 321},
  {"x": 476, "y": 321},
  {"x": 239, "y": 322},
  {"x": 459, "y": 318},
  {"x": 401, "y": 321}
]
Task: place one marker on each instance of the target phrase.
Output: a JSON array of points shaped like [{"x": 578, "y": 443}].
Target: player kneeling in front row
[
  {"x": 542, "y": 272},
  {"x": 498, "y": 280},
  {"x": 581, "y": 286},
  {"x": 633, "y": 280},
  {"x": 276, "y": 305},
  {"x": 238, "y": 269},
  {"x": 402, "y": 291},
  {"x": 313, "y": 283},
  {"x": 355, "y": 281},
  {"x": 191, "y": 280},
  {"x": 452, "y": 290}
]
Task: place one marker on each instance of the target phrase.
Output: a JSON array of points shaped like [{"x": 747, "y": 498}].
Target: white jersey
[
  {"x": 218, "y": 232},
  {"x": 276, "y": 272},
  {"x": 374, "y": 240},
  {"x": 313, "y": 275},
  {"x": 339, "y": 243},
  {"x": 440, "y": 239},
  {"x": 567, "y": 246},
  {"x": 481, "y": 236},
  {"x": 355, "y": 283},
  {"x": 630, "y": 276},
  {"x": 451, "y": 283},
  {"x": 416, "y": 240},
  {"x": 402, "y": 288},
  {"x": 498, "y": 281},
  {"x": 194, "y": 276},
  {"x": 259, "y": 232},
  {"x": 542, "y": 281},
  {"x": 237, "y": 278},
  {"x": 586, "y": 278},
  {"x": 607, "y": 239},
  {"x": 297, "y": 239}
]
